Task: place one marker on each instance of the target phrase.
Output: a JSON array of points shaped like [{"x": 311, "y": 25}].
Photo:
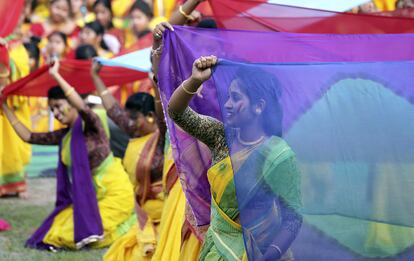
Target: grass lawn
[{"x": 25, "y": 216}]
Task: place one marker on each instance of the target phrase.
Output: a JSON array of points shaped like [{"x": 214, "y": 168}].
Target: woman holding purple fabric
[
  {"x": 95, "y": 202},
  {"x": 262, "y": 221}
]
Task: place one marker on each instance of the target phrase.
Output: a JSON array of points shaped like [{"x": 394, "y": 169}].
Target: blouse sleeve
[
  {"x": 47, "y": 138},
  {"x": 120, "y": 117},
  {"x": 92, "y": 121},
  {"x": 208, "y": 130}
]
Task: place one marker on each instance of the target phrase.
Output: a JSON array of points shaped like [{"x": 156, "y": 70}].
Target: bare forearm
[
  {"x": 108, "y": 99},
  {"x": 73, "y": 97},
  {"x": 188, "y": 7},
  {"x": 21, "y": 130},
  {"x": 180, "y": 99}
]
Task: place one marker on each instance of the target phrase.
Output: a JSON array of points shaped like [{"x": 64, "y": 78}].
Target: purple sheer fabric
[
  {"x": 184, "y": 45},
  {"x": 81, "y": 194},
  {"x": 338, "y": 154}
]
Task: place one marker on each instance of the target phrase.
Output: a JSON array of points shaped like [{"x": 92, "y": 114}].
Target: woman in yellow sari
[
  {"x": 144, "y": 162},
  {"x": 246, "y": 108},
  {"x": 94, "y": 203}
]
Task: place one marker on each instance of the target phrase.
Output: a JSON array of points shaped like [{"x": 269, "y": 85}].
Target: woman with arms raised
[
  {"x": 252, "y": 97},
  {"x": 94, "y": 197}
]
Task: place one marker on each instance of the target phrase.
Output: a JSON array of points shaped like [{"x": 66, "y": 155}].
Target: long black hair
[
  {"x": 56, "y": 93},
  {"x": 259, "y": 84},
  {"x": 140, "y": 102}
]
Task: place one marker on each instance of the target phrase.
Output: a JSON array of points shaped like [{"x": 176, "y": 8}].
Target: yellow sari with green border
[{"x": 115, "y": 201}]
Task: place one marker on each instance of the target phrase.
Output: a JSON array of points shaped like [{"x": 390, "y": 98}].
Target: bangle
[
  {"x": 15, "y": 122},
  {"x": 277, "y": 248},
  {"x": 157, "y": 101},
  {"x": 105, "y": 92},
  {"x": 5, "y": 74},
  {"x": 157, "y": 52},
  {"x": 188, "y": 17},
  {"x": 69, "y": 92},
  {"x": 187, "y": 91}
]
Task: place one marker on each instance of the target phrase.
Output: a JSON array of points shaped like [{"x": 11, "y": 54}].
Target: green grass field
[{"x": 25, "y": 216}]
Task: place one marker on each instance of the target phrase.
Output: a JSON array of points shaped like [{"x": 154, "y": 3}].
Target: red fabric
[
  {"x": 4, "y": 56},
  {"x": 403, "y": 12},
  {"x": 76, "y": 72},
  {"x": 259, "y": 16},
  {"x": 10, "y": 11}
]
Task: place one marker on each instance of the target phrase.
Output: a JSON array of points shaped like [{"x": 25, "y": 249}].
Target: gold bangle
[
  {"x": 69, "y": 92},
  {"x": 188, "y": 17},
  {"x": 187, "y": 91},
  {"x": 157, "y": 101},
  {"x": 105, "y": 92},
  {"x": 14, "y": 123},
  {"x": 5, "y": 74}
]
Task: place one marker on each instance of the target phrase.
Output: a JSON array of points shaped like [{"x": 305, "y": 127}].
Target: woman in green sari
[{"x": 258, "y": 156}]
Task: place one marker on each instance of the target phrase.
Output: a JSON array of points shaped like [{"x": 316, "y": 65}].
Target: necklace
[{"x": 249, "y": 143}]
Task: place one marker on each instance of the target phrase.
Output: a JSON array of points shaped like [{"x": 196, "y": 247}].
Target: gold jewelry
[
  {"x": 277, "y": 248},
  {"x": 69, "y": 92},
  {"x": 105, "y": 92},
  {"x": 188, "y": 17},
  {"x": 15, "y": 122},
  {"x": 157, "y": 101},
  {"x": 187, "y": 91},
  {"x": 249, "y": 143},
  {"x": 150, "y": 119},
  {"x": 5, "y": 74}
]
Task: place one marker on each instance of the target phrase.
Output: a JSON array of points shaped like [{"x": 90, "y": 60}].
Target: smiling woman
[{"x": 94, "y": 202}]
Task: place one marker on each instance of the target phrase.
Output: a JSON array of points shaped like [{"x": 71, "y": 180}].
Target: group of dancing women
[{"x": 134, "y": 204}]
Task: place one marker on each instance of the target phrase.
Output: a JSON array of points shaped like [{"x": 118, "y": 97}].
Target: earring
[
  {"x": 258, "y": 111},
  {"x": 150, "y": 119}
]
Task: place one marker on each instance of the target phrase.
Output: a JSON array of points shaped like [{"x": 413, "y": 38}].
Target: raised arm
[
  {"x": 73, "y": 97},
  {"x": 108, "y": 100},
  {"x": 183, "y": 13},
  {"x": 208, "y": 130},
  {"x": 201, "y": 72}
]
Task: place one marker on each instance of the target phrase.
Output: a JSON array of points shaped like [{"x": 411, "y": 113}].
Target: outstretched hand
[{"x": 202, "y": 68}]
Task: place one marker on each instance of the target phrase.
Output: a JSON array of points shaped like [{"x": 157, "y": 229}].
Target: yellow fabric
[
  {"x": 115, "y": 201},
  {"x": 18, "y": 152},
  {"x": 137, "y": 241},
  {"x": 132, "y": 154},
  {"x": 172, "y": 220},
  {"x": 385, "y": 5},
  {"x": 90, "y": 17},
  {"x": 156, "y": 20},
  {"x": 190, "y": 249},
  {"x": 2, "y": 140},
  {"x": 164, "y": 8},
  {"x": 120, "y": 8}
]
